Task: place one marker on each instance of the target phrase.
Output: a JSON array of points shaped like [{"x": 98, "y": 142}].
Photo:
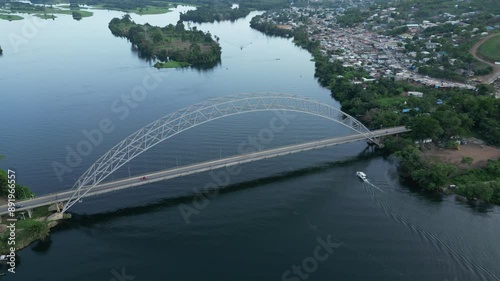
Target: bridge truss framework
[{"x": 198, "y": 114}]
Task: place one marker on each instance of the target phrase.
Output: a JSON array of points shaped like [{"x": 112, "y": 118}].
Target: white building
[{"x": 415, "y": 94}]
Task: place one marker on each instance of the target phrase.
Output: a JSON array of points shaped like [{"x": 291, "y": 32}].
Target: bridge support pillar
[
  {"x": 56, "y": 207},
  {"x": 30, "y": 213}
]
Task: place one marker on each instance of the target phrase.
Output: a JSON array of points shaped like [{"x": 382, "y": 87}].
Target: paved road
[{"x": 198, "y": 168}]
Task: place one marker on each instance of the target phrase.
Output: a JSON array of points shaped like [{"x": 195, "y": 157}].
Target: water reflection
[{"x": 42, "y": 246}]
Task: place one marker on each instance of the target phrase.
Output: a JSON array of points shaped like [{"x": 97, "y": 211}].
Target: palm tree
[{"x": 38, "y": 230}]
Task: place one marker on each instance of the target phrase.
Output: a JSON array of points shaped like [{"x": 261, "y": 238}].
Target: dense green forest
[
  {"x": 269, "y": 28},
  {"x": 169, "y": 43},
  {"x": 213, "y": 13},
  {"x": 352, "y": 17},
  {"x": 264, "y": 4}
]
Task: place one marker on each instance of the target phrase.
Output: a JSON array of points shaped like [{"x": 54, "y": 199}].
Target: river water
[{"x": 61, "y": 78}]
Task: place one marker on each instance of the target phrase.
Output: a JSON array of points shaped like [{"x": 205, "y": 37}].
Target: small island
[
  {"x": 43, "y": 12},
  {"x": 10, "y": 17},
  {"x": 212, "y": 13},
  {"x": 174, "y": 46}
]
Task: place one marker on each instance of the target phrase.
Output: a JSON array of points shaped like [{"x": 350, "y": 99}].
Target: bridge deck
[{"x": 199, "y": 167}]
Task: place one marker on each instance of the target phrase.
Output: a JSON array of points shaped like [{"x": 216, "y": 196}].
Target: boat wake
[
  {"x": 367, "y": 182},
  {"x": 461, "y": 258}
]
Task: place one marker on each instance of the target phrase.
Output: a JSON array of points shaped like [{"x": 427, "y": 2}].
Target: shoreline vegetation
[
  {"x": 11, "y": 9},
  {"x": 46, "y": 16},
  {"x": 28, "y": 229},
  {"x": 10, "y": 17},
  {"x": 173, "y": 46},
  {"x": 215, "y": 13},
  {"x": 157, "y": 9},
  {"x": 171, "y": 64},
  {"x": 207, "y": 10},
  {"x": 222, "y": 10},
  {"x": 441, "y": 118}
]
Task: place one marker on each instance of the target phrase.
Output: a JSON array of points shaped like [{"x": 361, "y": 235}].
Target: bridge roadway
[{"x": 198, "y": 168}]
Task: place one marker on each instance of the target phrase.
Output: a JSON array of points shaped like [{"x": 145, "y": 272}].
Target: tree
[
  {"x": 484, "y": 89},
  {"x": 4, "y": 188},
  {"x": 76, "y": 15},
  {"x": 179, "y": 26},
  {"x": 450, "y": 122},
  {"x": 157, "y": 36},
  {"x": 479, "y": 190},
  {"x": 424, "y": 127},
  {"x": 127, "y": 18},
  {"x": 21, "y": 192},
  {"x": 38, "y": 230},
  {"x": 467, "y": 161},
  {"x": 434, "y": 176}
]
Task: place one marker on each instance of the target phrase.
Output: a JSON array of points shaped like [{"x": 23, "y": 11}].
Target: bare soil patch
[
  {"x": 285, "y": 26},
  {"x": 479, "y": 153}
]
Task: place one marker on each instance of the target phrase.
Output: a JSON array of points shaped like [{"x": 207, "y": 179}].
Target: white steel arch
[{"x": 196, "y": 115}]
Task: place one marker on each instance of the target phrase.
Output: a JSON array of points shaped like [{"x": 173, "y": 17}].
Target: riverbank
[
  {"x": 28, "y": 226},
  {"x": 215, "y": 13},
  {"x": 444, "y": 117},
  {"x": 28, "y": 230},
  {"x": 10, "y": 17}
]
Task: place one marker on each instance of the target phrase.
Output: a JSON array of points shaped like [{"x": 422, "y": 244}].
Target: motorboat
[{"x": 361, "y": 175}]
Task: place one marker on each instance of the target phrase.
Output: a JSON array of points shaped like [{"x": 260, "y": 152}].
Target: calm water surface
[{"x": 65, "y": 78}]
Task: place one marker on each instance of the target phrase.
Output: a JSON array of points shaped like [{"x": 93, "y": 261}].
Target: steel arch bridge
[{"x": 196, "y": 115}]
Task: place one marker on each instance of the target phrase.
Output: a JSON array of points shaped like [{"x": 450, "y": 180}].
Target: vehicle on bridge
[{"x": 143, "y": 178}]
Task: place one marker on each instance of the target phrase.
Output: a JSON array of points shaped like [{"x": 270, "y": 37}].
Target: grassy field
[
  {"x": 391, "y": 102},
  {"x": 490, "y": 49},
  {"x": 69, "y": 12},
  {"x": 171, "y": 64},
  {"x": 45, "y": 16},
  {"x": 149, "y": 10},
  {"x": 10, "y": 17}
]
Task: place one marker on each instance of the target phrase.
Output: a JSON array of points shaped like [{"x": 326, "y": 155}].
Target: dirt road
[{"x": 488, "y": 79}]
